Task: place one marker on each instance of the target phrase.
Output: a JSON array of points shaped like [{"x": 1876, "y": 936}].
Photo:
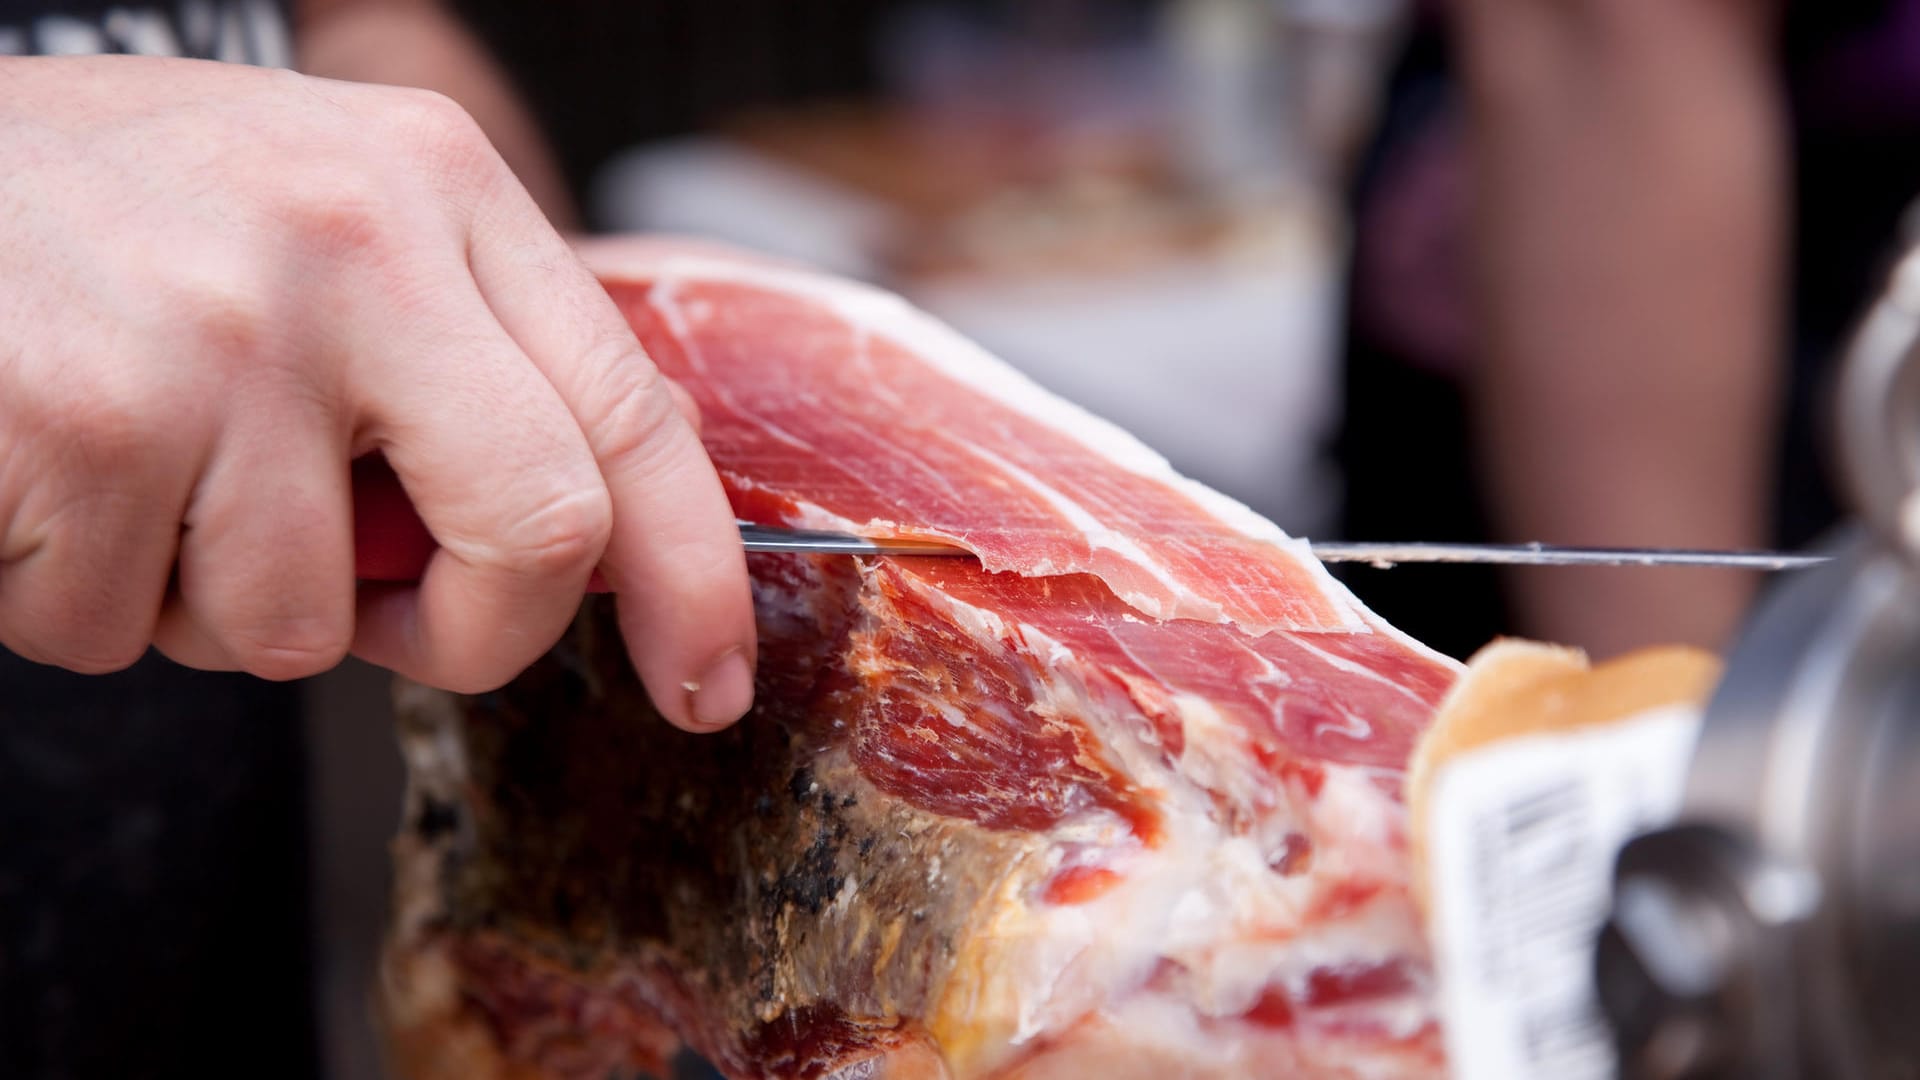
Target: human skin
[
  {"x": 419, "y": 43},
  {"x": 1631, "y": 215},
  {"x": 221, "y": 285}
]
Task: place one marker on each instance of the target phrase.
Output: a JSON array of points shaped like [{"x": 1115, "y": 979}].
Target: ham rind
[{"x": 1116, "y": 800}]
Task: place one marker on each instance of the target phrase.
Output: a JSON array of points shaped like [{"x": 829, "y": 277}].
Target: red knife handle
[{"x": 391, "y": 545}]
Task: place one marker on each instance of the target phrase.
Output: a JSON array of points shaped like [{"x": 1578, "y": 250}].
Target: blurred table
[{"x": 1204, "y": 322}]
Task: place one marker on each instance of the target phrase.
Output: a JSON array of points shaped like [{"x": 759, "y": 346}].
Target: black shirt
[{"x": 237, "y": 31}]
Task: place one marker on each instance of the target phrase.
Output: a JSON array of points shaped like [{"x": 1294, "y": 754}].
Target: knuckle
[
  {"x": 86, "y": 646},
  {"x": 441, "y": 132},
  {"x": 88, "y": 600},
  {"x": 101, "y": 662},
  {"x": 637, "y": 413},
  {"x": 22, "y": 648},
  {"x": 478, "y": 668},
  {"x": 470, "y": 683},
  {"x": 227, "y": 317},
  {"x": 340, "y": 218},
  {"x": 430, "y": 111},
  {"x": 289, "y": 649},
  {"x": 564, "y": 535},
  {"x": 111, "y": 433},
  {"x": 480, "y": 675},
  {"x": 684, "y": 402}
]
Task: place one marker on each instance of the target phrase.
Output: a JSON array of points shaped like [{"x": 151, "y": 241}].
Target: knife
[
  {"x": 775, "y": 538},
  {"x": 392, "y": 545},
  {"x": 384, "y": 553}
]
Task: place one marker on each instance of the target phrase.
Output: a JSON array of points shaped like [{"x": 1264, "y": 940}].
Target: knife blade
[
  {"x": 774, "y": 538},
  {"x": 391, "y": 545},
  {"x": 820, "y": 542},
  {"x": 1385, "y": 555}
]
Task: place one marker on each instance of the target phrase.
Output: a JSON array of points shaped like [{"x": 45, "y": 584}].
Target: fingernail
[{"x": 724, "y": 693}]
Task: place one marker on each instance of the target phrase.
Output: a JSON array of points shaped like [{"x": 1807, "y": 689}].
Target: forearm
[
  {"x": 418, "y": 43},
  {"x": 1631, "y": 233}
]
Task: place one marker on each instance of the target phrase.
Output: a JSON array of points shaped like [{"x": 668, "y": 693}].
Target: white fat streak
[
  {"x": 1230, "y": 966},
  {"x": 664, "y": 296},
  {"x": 953, "y": 714},
  {"x": 1341, "y": 663},
  {"x": 1154, "y": 1035},
  {"x": 1215, "y": 753},
  {"x": 1165, "y": 1031},
  {"x": 1354, "y": 727},
  {"x": 1210, "y": 903},
  {"x": 885, "y": 314},
  {"x": 1056, "y": 953},
  {"x": 989, "y": 628},
  {"x": 1101, "y": 537},
  {"x": 1372, "y": 827},
  {"x": 808, "y": 515}
]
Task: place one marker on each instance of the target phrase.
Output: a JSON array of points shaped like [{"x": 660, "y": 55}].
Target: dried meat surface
[{"x": 1121, "y": 798}]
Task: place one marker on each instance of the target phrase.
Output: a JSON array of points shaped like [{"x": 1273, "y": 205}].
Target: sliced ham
[
  {"x": 846, "y": 408},
  {"x": 1121, "y": 798}
]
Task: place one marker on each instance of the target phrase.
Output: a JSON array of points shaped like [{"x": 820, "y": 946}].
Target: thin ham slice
[
  {"x": 1122, "y": 798},
  {"x": 846, "y": 408}
]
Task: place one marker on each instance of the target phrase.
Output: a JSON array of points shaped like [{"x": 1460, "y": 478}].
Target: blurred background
[{"x": 1381, "y": 269}]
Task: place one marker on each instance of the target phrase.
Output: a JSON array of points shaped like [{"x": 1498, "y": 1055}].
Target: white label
[{"x": 1523, "y": 834}]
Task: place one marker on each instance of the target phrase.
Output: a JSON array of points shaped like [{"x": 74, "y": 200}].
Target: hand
[{"x": 218, "y": 287}]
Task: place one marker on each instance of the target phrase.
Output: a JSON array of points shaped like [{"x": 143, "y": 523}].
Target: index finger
[{"x": 674, "y": 558}]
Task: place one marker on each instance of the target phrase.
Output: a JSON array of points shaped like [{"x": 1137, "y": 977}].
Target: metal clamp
[
  {"x": 1793, "y": 881},
  {"x": 1879, "y": 413}
]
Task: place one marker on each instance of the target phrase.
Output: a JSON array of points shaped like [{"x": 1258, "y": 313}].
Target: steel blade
[
  {"x": 1385, "y": 555},
  {"x": 1378, "y": 554}
]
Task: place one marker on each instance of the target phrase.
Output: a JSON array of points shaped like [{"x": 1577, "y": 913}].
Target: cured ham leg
[{"x": 1123, "y": 798}]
